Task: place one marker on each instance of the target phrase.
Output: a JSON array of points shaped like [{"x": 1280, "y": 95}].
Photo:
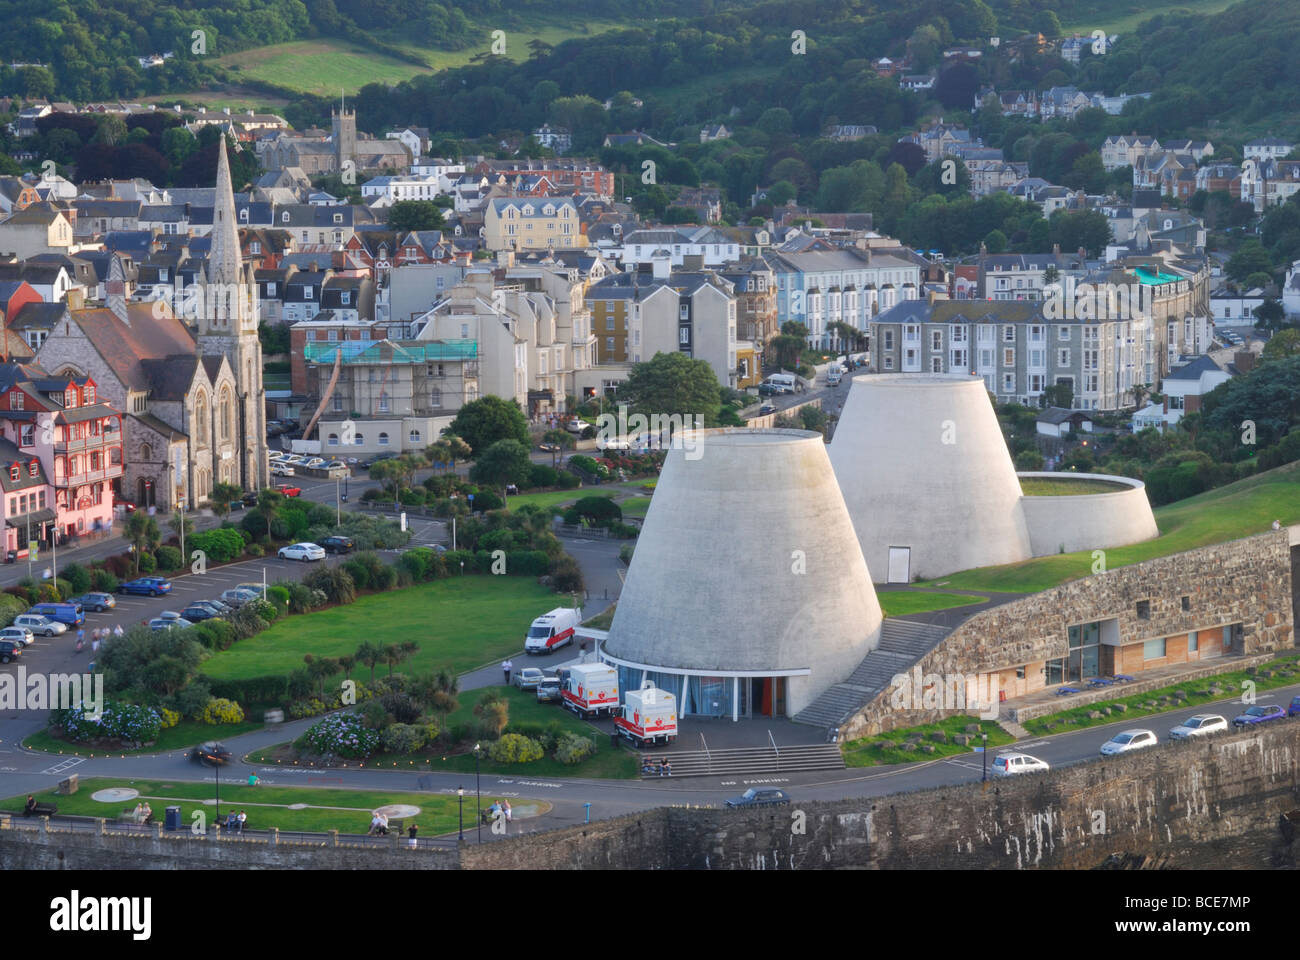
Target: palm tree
[
  {"x": 438, "y": 454},
  {"x": 348, "y": 663},
  {"x": 222, "y": 496},
  {"x": 369, "y": 654},
  {"x": 140, "y": 530},
  {"x": 561, "y": 440},
  {"x": 179, "y": 521},
  {"x": 391, "y": 655},
  {"x": 269, "y": 502},
  {"x": 386, "y": 470}
]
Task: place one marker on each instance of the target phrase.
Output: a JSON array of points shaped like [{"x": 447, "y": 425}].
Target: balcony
[
  {"x": 110, "y": 472},
  {"x": 87, "y": 443}
]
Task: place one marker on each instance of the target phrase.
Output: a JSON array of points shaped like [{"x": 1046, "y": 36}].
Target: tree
[
  {"x": 407, "y": 215},
  {"x": 222, "y": 496},
  {"x": 388, "y": 470},
  {"x": 1283, "y": 344},
  {"x": 503, "y": 463},
  {"x": 1269, "y": 315},
  {"x": 482, "y": 422},
  {"x": 369, "y": 654},
  {"x": 996, "y": 241},
  {"x": 269, "y": 502},
  {"x": 958, "y": 86},
  {"x": 560, "y": 440},
  {"x": 178, "y": 521},
  {"x": 140, "y": 530},
  {"x": 1250, "y": 258},
  {"x": 672, "y": 383},
  {"x": 1058, "y": 395}
]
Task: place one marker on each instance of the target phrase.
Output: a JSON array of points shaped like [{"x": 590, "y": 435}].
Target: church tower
[
  {"x": 227, "y": 324},
  {"x": 344, "y": 125}
]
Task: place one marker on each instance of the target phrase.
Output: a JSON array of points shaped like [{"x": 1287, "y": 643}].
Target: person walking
[
  {"x": 506, "y": 667},
  {"x": 118, "y": 631},
  {"x": 94, "y": 643},
  {"x": 411, "y": 831},
  {"x": 81, "y": 638},
  {"x": 505, "y": 805}
]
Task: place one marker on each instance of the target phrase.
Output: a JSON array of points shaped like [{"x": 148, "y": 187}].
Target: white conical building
[
  {"x": 927, "y": 476},
  {"x": 748, "y": 594}
]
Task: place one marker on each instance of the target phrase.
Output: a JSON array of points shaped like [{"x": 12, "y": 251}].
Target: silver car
[
  {"x": 19, "y": 635},
  {"x": 529, "y": 678},
  {"x": 40, "y": 624}
]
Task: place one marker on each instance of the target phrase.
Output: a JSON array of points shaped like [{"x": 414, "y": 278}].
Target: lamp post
[
  {"x": 478, "y": 792},
  {"x": 985, "y": 737},
  {"x": 338, "y": 505},
  {"x": 460, "y": 811},
  {"x": 180, "y": 506}
]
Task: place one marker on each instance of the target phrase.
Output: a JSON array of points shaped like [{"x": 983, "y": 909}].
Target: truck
[
  {"x": 589, "y": 689},
  {"x": 552, "y": 630},
  {"x": 648, "y": 716}
]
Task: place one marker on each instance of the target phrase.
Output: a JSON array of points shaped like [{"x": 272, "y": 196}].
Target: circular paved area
[{"x": 115, "y": 795}]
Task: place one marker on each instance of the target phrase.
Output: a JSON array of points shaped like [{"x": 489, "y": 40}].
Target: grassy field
[
  {"x": 1067, "y": 486},
  {"x": 186, "y": 734},
  {"x": 888, "y": 748},
  {"x": 899, "y": 603},
  {"x": 607, "y": 763},
  {"x": 347, "y": 811},
  {"x": 1276, "y": 673},
  {"x": 325, "y": 66},
  {"x": 460, "y": 623},
  {"x": 1126, "y": 23},
  {"x": 635, "y": 506},
  {"x": 1237, "y": 510},
  {"x": 547, "y": 498}
]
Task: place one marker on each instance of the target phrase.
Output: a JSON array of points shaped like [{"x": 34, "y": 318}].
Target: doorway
[{"x": 900, "y": 565}]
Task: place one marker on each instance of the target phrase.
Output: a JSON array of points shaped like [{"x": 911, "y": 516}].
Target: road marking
[{"x": 60, "y": 767}]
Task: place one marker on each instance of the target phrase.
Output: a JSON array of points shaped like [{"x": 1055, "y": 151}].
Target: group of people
[
  {"x": 499, "y": 808},
  {"x": 97, "y": 636},
  {"x": 663, "y": 767},
  {"x": 379, "y": 827},
  {"x": 143, "y": 812},
  {"x": 235, "y": 822}
]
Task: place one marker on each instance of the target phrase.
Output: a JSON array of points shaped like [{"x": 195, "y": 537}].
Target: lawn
[
  {"x": 1228, "y": 513},
  {"x": 1125, "y": 24},
  {"x": 461, "y": 623},
  {"x": 635, "y": 506},
  {"x": 547, "y": 498},
  {"x": 186, "y": 734},
  {"x": 608, "y": 762},
  {"x": 899, "y": 603},
  {"x": 347, "y": 811},
  {"x": 1277, "y": 673},
  {"x": 602, "y": 620},
  {"x": 888, "y": 748},
  {"x": 1067, "y": 486}
]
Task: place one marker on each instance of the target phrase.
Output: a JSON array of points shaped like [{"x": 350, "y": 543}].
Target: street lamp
[
  {"x": 460, "y": 811},
  {"x": 478, "y": 792},
  {"x": 986, "y": 756},
  {"x": 338, "y": 505}
]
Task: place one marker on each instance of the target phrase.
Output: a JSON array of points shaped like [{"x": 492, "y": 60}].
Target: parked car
[
  {"x": 197, "y": 613},
  {"x": 211, "y": 754},
  {"x": 766, "y": 408},
  {"x": 338, "y": 544},
  {"x": 42, "y": 626},
  {"x": 280, "y": 470},
  {"x": 287, "y": 490},
  {"x": 218, "y": 608},
  {"x": 71, "y": 614},
  {"x": 1201, "y": 725},
  {"x": 760, "y": 797},
  {"x": 1010, "y": 764},
  {"x": 1258, "y": 714},
  {"x": 1128, "y": 741},
  {"x": 238, "y": 596},
  {"x": 96, "y": 602},
  {"x": 302, "y": 551},
  {"x": 1294, "y": 709},
  {"x": 315, "y": 463},
  {"x": 9, "y": 651},
  {"x": 529, "y": 678},
  {"x": 169, "y": 623},
  {"x": 19, "y": 635},
  {"x": 336, "y": 465},
  {"x": 147, "y": 586},
  {"x": 767, "y": 390},
  {"x": 548, "y": 689},
  {"x": 257, "y": 588},
  {"x": 249, "y": 499},
  {"x": 576, "y": 425}
]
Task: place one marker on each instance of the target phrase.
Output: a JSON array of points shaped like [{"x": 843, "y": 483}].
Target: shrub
[
  {"x": 589, "y": 465},
  {"x": 598, "y": 511},
  {"x": 527, "y": 563},
  {"x": 215, "y": 634},
  {"x": 255, "y": 550},
  {"x": 513, "y": 748},
  {"x": 574, "y": 748},
  {"x": 147, "y": 563},
  {"x": 169, "y": 718},
  {"x": 334, "y": 582},
  {"x": 278, "y": 595},
  {"x": 78, "y": 578},
  {"x": 104, "y": 581},
  {"x": 340, "y": 735},
  {"x": 170, "y": 558},
  {"x": 567, "y": 481},
  {"x": 414, "y": 497},
  {"x": 400, "y": 707},
  {"x": 118, "y": 721},
  {"x": 385, "y": 578},
  {"x": 10, "y": 607},
  {"x": 47, "y": 593},
  {"x": 625, "y": 553},
  {"x": 566, "y": 575},
  {"x": 624, "y": 531},
  {"x": 306, "y": 708},
  {"x": 221, "y": 710},
  {"x": 418, "y": 563},
  {"x": 120, "y": 565},
  {"x": 406, "y": 738},
  {"x": 192, "y": 700},
  {"x": 543, "y": 476}
]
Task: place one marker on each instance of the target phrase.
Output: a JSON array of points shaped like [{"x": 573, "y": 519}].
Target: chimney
[
  {"x": 932, "y": 297},
  {"x": 1244, "y": 360},
  {"x": 1083, "y": 255},
  {"x": 1056, "y": 249}
]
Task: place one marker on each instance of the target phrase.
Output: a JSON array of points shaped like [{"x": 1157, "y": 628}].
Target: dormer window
[
  {"x": 255, "y": 247},
  {"x": 33, "y": 468},
  {"x": 90, "y": 394},
  {"x": 338, "y": 218},
  {"x": 243, "y": 215},
  {"x": 70, "y": 397},
  {"x": 14, "y": 472}
]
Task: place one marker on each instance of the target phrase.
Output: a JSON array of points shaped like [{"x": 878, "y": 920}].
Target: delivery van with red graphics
[
  {"x": 649, "y": 715},
  {"x": 552, "y": 630},
  {"x": 589, "y": 689}
]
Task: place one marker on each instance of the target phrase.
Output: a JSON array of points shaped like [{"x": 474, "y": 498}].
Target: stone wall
[{"x": 1246, "y": 581}]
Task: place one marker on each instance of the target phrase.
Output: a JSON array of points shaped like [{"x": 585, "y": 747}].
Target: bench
[
  {"x": 42, "y": 810},
  {"x": 134, "y": 816}
]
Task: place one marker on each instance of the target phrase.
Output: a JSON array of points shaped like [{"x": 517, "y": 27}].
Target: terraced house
[{"x": 532, "y": 223}]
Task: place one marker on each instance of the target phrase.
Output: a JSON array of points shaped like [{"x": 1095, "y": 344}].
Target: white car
[
  {"x": 39, "y": 624},
  {"x": 1128, "y": 741},
  {"x": 302, "y": 551},
  {"x": 1201, "y": 725},
  {"x": 280, "y": 470},
  {"x": 19, "y": 635},
  {"x": 315, "y": 463},
  {"x": 336, "y": 465},
  {"x": 294, "y": 459},
  {"x": 1010, "y": 764},
  {"x": 169, "y": 623},
  {"x": 576, "y": 425}
]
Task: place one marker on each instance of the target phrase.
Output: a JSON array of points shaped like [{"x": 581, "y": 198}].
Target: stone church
[{"x": 191, "y": 394}]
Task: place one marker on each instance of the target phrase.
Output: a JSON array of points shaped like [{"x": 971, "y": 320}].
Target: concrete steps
[
  {"x": 902, "y": 643},
  {"x": 742, "y": 760}
]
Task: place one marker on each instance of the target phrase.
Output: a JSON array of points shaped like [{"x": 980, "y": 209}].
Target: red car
[{"x": 287, "y": 490}]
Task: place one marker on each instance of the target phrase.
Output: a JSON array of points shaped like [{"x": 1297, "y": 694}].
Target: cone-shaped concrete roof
[
  {"x": 923, "y": 465},
  {"x": 748, "y": 562}
]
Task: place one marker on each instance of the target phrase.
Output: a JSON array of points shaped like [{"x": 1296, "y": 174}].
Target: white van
[
  {"x": 833, "y": 376},
  {"x": 552, "y": 630},
  {"x": 783, "y": 382}
]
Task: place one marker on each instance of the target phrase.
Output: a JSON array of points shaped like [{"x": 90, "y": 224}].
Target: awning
[{"x": 36, "y": 517}]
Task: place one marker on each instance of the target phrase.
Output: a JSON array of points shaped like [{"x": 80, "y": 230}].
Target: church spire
[{"x": 224, "y": 258}]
